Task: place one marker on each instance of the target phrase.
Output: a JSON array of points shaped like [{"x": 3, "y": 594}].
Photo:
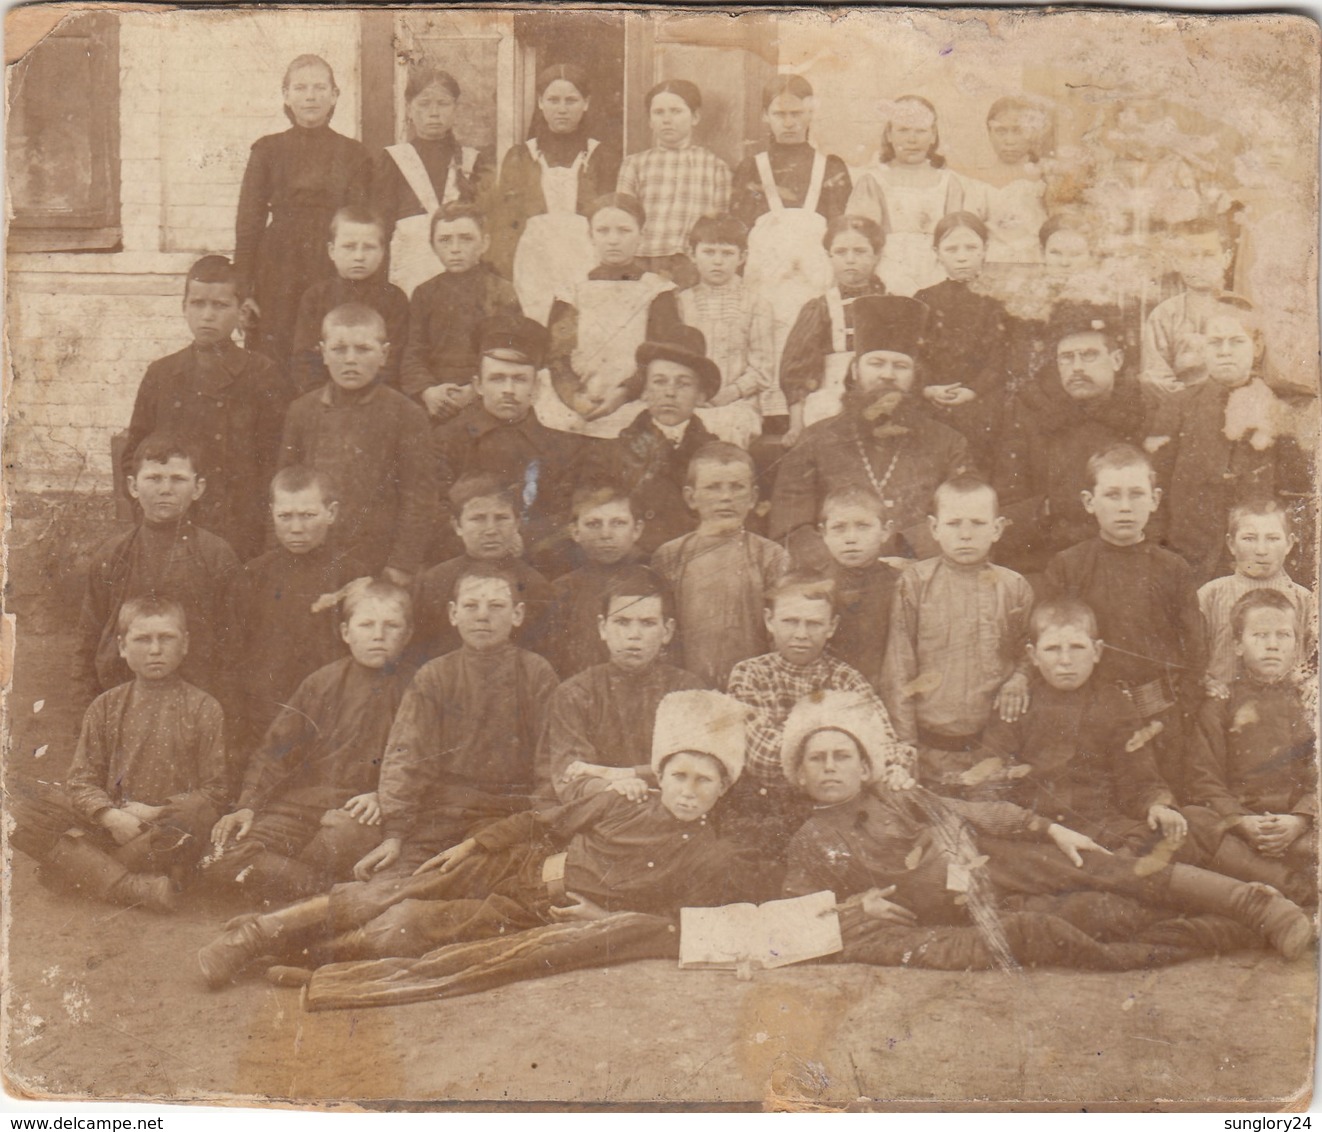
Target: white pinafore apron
[
  {"x": 612, "y": 324},
  {"x": 412, "y": 260},
  {"x": 829, "y": 399},
  {"x": 787, "y": 264},
  {"x": 554, "y": 253},
  {"x": 908, "y": 260}
]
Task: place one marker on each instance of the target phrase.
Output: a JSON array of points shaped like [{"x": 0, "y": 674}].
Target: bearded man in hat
[
  {"x": 500, "y": 434},
  {"x": 1081, "y": 404},
  {"x": 601, "y": 854},
  {"x": 882, "y": 439}
]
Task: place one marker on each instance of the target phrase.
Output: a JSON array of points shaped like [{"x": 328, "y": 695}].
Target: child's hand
[
  {"x": 1215, "y": 689},
  {"x": 1169, "y": 821},
  {"x": 1071, "y": 843},
  {"x": 633, "y": 788},
  {"x": 582, "y": 910},
  {"x": 608, "y": 405},
  {"x": 1154, "y": 444},
  {"x": 142, "y": 811},
  {"x": 897, "y": 776},
  {"x": 122, "y": 826},
  {"x": 447, "y": 860},
  {"x": 382, "y": 857},
  {"x": 365, "y": 809},
  {"x": 726, "y": 396},
  {"x": 1253, "y": 828},
  {"x": 232, "y": 827},
  {"x": 876, "y": 906},
  {"x": 1282, "y": 831},
  {"x": 398, "y": 577},
  {"x": 791, "y": 436},
  {"x": 1012, "y": 700}
]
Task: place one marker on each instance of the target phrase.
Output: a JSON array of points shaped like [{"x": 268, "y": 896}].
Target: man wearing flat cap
[
  {"x": 650, "y": 457},
  {"x": 882, "y": 440},
  {"x": 500, "y": 434},
  {"x": 1082, "y": 402}
]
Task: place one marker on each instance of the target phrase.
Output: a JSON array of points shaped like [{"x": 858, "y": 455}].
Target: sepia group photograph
[{"x": 648, "y": 558}]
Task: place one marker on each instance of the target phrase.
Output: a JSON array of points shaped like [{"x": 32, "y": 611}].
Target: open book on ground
[{"x": 769, "y": 935}]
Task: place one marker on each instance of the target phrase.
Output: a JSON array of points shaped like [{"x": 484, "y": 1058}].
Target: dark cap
[
  {"x": 512, "y": 338},
  {"x": 685, "y": 346},
  {"x": 1083, "y": 318},
  {"x": 889, "y": 322}
]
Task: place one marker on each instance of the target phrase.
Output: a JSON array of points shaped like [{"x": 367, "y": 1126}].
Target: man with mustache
[{"x": 883, "y": 439}]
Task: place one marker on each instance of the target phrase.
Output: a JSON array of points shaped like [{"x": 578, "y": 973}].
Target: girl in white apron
[
  {"x": 540, "y": 232},
  {"x": 907, "y": 193},
  {"x": 597, "y": 327},
  {"x": 820, "y": 344},
  {"x": 405, "y": 189}
]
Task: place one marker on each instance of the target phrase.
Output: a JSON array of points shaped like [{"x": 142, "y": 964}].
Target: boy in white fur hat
[
  {"x": 602, "y": 854},
  {"x": 909, "y": 858}
]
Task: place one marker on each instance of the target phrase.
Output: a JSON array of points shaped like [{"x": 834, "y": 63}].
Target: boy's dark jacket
[{"x": 230, "y": 405}]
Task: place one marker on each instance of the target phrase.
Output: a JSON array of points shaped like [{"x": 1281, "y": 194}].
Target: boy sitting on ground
[
  {"x": 1252, "y": 768},
  {"x": 604, "y": 853},
  {"x": 955, "y": 653},
  {"x": 308, "y": 810},
  {"x": 599, "y": 722},
  {"x": 147, "y": 779}
]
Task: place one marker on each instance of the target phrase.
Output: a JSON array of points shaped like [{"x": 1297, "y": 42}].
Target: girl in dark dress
[
  {"x": 964, "y": 358},
  {"x": 539, "y": 227},
  {"x": 412, "y": 179},
  {"x": 294, "y": 183}
]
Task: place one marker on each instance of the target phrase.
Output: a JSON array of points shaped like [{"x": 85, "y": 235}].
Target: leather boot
[
  {"x": 89, "y": 870},
  {"x": 1258, "y": 906},
  {"x": 1235, "y": 859},
  {"x": 230, "y": 952}
]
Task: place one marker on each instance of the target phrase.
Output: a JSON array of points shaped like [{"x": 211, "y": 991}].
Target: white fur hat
[
  {"x": 710, "y": 723},
  {"x": 851, "y": 712}
]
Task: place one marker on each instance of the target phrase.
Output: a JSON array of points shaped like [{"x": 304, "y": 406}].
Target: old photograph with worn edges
[{"x": 760, "y": 558}]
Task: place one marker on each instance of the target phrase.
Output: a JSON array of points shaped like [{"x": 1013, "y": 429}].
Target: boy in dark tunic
[
  {"x": 147, "y": 779},
  {"x": 357, "y": 249},
  {"x": 599, "y": 721},
  {"x": 281, "y": 629},
  {"x": 165, "y": 556},
  {"x": 225, "y": 402},
  {"x": 309, "y": 811}
]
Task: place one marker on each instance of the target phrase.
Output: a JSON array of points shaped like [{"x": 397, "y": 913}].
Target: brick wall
[{"x": 83, "y": 327}]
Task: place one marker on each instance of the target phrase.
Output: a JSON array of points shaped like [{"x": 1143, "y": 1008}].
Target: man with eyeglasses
[{"x": 1083, "y": 403}]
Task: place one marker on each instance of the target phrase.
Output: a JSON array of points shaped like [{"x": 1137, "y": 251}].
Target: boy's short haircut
[
  {"x": 215, "y": 269},
  {"x": 161, "y": 448},
  {"x": 1060, "y": 613},
  {"x": 853, "y": 495},
  {"x": 357, "y": 214},
  {"x": 1259, "y": 505},
  {"x": 1264, "y": 598},
  {"x": 148, "y": 605},
  {"x": 796, "y": 86},
  {"x": 964, "y": 484},
  {"x": 1114, "y": 458},
  {"x": 724, "y": 229},
  {"x": 804, "y": 584},
  {"x": 299, "y": 477},
  {"x": 719, "y": 452},
  {"x": 353, "y": 316},
  {"x": 380, "y": 590},
  {"x": 589, "y": 495},
  {"x": 639, "y": 583},
  {"x": 865, "y": 226},
  {"x": 720, "y": 766},
  {"x": 480, "y": 485},
  {"x": 483, "y": 571},
  {"x": 953, "y": 220},
  {"x": 456, "y": 210}
]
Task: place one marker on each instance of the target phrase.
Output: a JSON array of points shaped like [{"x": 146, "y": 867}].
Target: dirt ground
[{"x": 108, "y": 1003}]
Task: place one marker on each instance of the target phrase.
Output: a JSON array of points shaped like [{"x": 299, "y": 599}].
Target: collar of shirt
[
  {"x": 222, "y": 362},
  {"x": 673, "y": 433},
  {"x": 332, "y": 396},
  {"x": 479, "y": 422},
  {"x": 631, "y": 271}
]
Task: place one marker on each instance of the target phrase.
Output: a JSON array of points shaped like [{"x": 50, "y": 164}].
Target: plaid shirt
[
  {"x": 740, "y": 334},
  {"x": 771, "y": 686},
  {"x": 677, "y": 187}
]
